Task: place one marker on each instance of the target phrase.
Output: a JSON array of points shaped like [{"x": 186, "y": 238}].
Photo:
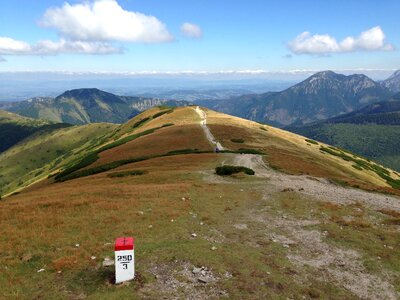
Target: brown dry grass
[
  {"x": 296, "y": 158},
  {"x": 160, "y": 142}
]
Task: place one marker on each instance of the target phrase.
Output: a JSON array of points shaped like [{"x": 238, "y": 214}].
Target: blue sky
[{"x": 220, "y": 35}]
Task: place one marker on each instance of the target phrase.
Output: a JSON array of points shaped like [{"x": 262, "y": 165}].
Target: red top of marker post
[{"x": 124, "y": 243}]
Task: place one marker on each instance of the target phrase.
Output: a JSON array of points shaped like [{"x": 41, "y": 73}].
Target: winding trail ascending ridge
[{"x": 203, "y": 124}]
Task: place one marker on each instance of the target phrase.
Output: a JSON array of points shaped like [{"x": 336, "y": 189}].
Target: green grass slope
[
  {"x": 377, "y": 142},
  {"x": 45, "y": 151},
  {"x": 372, "y": 131},
  {"x": 14, "y": 128}
]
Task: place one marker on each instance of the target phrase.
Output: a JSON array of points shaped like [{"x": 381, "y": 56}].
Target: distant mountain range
[
  {"x": 321, "y": 96},
  {"x": 83, "y": 106},
  {"x": 372, "y": 131}
]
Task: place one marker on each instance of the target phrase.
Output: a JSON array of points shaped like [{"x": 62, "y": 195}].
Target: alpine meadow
[{"x": 199, "y": 149}]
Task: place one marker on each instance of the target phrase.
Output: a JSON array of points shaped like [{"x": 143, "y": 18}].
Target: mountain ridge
[
  {"x": 86, "y": 105},
  {"x": 393, "y": 82},
  {"x": 321, "y": 96}
]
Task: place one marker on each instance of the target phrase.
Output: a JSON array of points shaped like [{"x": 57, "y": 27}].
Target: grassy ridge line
[
  {"x": 93, "y": 156},
  {"x": 118, "y": 163}
]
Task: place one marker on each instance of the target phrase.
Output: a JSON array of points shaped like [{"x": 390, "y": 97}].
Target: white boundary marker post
[{"x": 124, "y": 259}]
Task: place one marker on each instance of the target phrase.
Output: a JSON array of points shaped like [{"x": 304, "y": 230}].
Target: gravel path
[
  {"x": 318, "y": 188},
  {"x": 203, "y": 124}
]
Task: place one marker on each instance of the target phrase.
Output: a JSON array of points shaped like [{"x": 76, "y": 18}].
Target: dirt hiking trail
[{"x": 306, "y": 247}]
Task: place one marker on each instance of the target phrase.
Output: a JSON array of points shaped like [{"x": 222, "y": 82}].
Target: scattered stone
[
  {"x": 196, "y": 270},
  {"x": 77, "y": 245},
  {"x": 172, "y": 220},
  {"x": 140, "y": 212},
  {"x": 108, "y": 262},
  {"x": 150, "y": 226},
  {"x": 204, "y": 279},
  {"x": 194, "y": 235},
  {"x": 340, "y": 263},
  {"x": 285, "y": 246},
  {"x": 213, "y": 248},
  {"x": 301, "y": 190},
  {"x": 240, "y": 226},
  {"x": 287, "y": 190},
  {"x": 41, "y": 270},
  {"x": 59, "y": 272},
  {"x": 93, "y": 257},
  {"x": 201, "y": 223}
]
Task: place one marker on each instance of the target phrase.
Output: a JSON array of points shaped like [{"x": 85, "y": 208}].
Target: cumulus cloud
[
  {"x": 373, "y": 39},
  {"x": 90, "y": 28},
  {"x": 104, "y": 20},
  {"x": 191, "y": 30},
  {"x": 9, "y": 46}
]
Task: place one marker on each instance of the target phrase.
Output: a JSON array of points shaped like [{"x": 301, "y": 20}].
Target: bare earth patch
[{"x": 182, "y": 280}]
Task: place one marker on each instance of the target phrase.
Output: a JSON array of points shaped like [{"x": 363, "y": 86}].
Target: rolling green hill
[
  {"x": 84, "y": 106},
  {"x": 35, "y": 157},
  {"x": 14, "y": 128}
]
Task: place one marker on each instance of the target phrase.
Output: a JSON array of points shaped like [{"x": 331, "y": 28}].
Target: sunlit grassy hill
[
  {"x": 14, "y": 128},
  {"x": 311, "y": 222}
]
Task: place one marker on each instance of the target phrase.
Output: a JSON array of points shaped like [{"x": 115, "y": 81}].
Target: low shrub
[
  {"x": 140, "y": 123},
  {"x": 127, "y": 173},
  {"x": 84, "y": 162},
  {"x": 229, "y": 170},
  {"x": 239, "y": 141},
  {"x": 159, "y": 114},
  {"x": 249, "y": 151},
  {"x": 311, "y": 141},
  {"x": 184, "y": 151}
]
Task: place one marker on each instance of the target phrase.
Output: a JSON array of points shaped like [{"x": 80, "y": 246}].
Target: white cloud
[
  {"x": 9, "y": 46},
  {"x": 49, "y": 47},
  {"x": 191, "y": 30},
  {"x": 104, "y": 20},
  {"x": 90, "y": 28},
  {"x": 370, "y": 40},
  {"x": 2, "y": 59}
]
